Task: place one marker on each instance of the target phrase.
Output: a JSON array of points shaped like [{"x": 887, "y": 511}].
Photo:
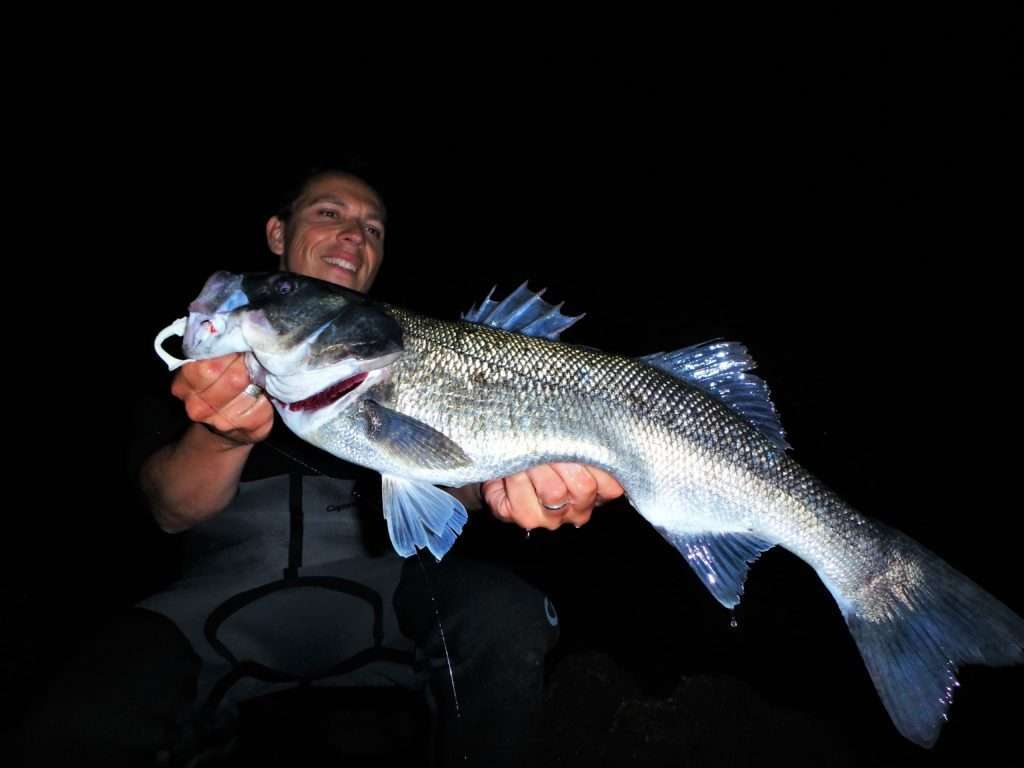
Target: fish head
[{"x": 306, "y": 334}]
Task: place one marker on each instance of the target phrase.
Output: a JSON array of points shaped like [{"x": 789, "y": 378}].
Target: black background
[{"x": 848, "y": 208}]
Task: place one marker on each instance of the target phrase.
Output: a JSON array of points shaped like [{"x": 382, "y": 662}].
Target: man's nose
[{"x": 351, "y": 231}]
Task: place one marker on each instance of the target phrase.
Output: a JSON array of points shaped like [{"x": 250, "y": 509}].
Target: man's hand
[
  {"x": 550, "y": 495},
  {"x": 214, "y": 394},
  {"x": 193, "y": 479}
]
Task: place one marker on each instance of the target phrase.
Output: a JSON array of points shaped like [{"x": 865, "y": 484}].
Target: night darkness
[{"x": 851, "y": 216}]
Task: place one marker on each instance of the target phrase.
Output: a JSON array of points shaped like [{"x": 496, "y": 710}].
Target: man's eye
[
  {"x": 329, "y": 213},
  {"x": 375, "y": 231}
]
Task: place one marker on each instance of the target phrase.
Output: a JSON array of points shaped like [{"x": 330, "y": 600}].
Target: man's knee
[
  {"x": 122, "y": 692},
  {"x": 479, "y": 605}
]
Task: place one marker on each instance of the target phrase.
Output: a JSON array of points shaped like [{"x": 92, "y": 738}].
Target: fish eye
[{"x": 284, "y": 287}]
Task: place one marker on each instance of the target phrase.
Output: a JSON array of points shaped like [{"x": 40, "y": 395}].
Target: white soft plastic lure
[{"x": 177, "y": 328}]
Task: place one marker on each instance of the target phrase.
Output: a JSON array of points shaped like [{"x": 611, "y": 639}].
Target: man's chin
[{"x": 343, "y": 278}]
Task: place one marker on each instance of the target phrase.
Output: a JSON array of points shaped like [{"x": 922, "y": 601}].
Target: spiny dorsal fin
[
  {"x": 522, "y": 311},
  {"x": 721, "y": 368}
]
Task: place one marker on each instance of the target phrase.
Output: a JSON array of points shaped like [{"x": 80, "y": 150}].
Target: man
[{"x": 232, "y": 628}]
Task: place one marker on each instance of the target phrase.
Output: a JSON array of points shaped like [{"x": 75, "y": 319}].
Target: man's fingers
[
  {"x": 218, "y": 380},
  {"x": 549, "y": 487},
  {"x": 580, "y": 485},
  {"x": 248, "y": 411},
  {"x": 218, "y": 392},
  {"x": 550, "y": 495},
  {"x": 608, "y": 487},
  {"x": 525, "y": 504},
  {"x": 495, "y": 496}
]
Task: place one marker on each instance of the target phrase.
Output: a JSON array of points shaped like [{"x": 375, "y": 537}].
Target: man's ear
[{"x": 275, "y": 235}]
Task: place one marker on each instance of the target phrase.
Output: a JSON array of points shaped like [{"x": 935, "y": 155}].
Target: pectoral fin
[{"x": 411, "y": 440}]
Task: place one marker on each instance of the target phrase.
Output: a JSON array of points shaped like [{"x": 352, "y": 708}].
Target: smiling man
[{"x": 333, "y": 231}]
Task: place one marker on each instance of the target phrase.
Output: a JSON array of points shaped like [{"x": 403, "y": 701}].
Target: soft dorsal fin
[
  {"x": 721, "y": 368},
  {"x": 522, "y": 311}
]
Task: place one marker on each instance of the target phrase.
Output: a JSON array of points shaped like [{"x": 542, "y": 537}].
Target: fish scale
[
  {"x": 710, "y": 469},
  {"x": 478, "y": 368}
]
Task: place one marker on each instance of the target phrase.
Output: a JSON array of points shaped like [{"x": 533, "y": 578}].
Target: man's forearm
[{"x": 194, "y": 479}]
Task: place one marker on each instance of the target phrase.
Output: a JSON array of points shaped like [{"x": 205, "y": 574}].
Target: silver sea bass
[{"x": 691, "y": 436}]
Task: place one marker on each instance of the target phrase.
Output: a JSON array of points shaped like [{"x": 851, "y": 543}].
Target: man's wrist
[{"x": 222, "y": 440}]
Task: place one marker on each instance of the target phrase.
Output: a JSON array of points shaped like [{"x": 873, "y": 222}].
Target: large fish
[{"x": 690, "y": 435}]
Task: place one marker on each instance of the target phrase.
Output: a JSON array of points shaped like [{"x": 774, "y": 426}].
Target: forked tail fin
[{"x": 915, "y": 624}]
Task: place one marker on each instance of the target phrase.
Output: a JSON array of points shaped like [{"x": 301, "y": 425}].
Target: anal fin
[{"x": 720, "y": 560}]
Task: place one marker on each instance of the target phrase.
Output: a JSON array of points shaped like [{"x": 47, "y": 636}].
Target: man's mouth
[{"x": 341, "y": 262}]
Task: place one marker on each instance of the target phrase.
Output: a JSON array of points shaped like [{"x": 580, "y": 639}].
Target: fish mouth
[
  {"x": 211, "y": 317},
  {"x": 330, "y": 395},
  {"x": 211, "y": 335},
  {"x": 200, "y": 330}
]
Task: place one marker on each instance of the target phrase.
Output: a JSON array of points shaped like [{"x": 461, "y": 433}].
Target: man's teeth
[{"x": 343, "y": 263}]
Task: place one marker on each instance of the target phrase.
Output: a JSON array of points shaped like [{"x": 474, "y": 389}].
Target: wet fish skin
[{"x": 450, "y": 403}]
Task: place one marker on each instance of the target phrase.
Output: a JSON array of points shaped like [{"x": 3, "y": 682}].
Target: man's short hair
[{"x": 297, "y": 182}]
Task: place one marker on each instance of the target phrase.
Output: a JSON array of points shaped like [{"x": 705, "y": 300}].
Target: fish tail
[{"x": 915, "y": 623}]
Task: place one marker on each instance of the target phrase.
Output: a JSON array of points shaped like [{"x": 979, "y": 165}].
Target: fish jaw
[
  {"x": 213, "y": 335},
  {"x": 240, "y": 330},
  {"x": 214, "y": 325}
]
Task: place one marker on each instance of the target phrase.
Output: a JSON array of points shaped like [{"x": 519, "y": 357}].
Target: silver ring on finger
[
  {"x": 555, "y": 507},
  {"x": 252, "y": 390}
]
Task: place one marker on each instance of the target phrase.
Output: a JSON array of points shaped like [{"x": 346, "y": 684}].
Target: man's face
[{"x": 335, "y": 233}]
